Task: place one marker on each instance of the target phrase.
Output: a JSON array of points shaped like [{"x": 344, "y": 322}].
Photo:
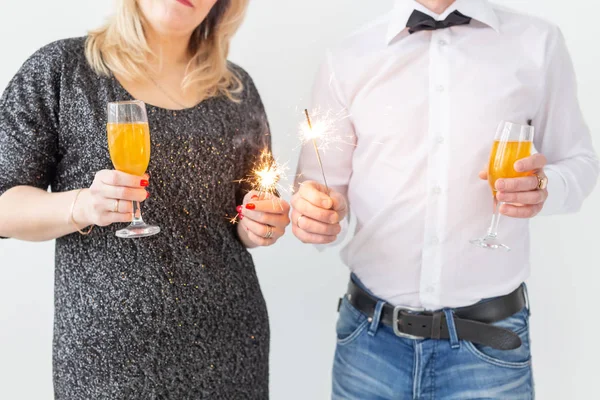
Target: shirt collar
[{"x": 480, "y": 10}]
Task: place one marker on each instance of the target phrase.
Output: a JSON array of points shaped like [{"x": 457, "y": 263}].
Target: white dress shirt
[{"x": 423, "y": 113}]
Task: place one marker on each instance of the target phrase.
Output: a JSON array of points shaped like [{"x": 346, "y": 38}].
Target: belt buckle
[{"x": 395, "y": 319}]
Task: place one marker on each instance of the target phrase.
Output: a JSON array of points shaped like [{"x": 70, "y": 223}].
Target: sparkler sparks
[
  {"x": 266, "y": 178},
  {"x": 312, "y": 133},
  {"x": 267, "y": 175}
]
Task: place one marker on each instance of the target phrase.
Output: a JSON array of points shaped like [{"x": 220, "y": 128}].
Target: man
[{"x": 427, "y": 314}]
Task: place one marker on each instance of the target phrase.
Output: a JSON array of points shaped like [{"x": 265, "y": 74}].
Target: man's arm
[
  {"x": 563, "y": 137},
  {"x": 565, "y": 152},
  {"x": 322, "y": 218}
]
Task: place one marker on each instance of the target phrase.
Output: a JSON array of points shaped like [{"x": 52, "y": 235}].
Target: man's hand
[
  {"x": 524, "y": 195},
  {"x": 316, "y": 215}
]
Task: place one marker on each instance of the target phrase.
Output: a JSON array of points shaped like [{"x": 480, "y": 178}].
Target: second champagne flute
[{"x": 511, "y": 143}]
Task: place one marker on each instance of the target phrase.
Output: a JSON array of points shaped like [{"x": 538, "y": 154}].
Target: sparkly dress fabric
[{"x": 179, "y": 315}]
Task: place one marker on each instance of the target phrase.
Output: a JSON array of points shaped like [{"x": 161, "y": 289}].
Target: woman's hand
[
  {"x": 108, "y": 200},
  {"x": 262, "y": 221}
]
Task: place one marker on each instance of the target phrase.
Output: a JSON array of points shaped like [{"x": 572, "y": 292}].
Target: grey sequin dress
[{"x": 179, "y": 315}]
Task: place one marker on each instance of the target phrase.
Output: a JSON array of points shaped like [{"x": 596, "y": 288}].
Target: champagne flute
[
  {"x": 511, "y": 143},
  {"x": 129, "y": 146}
]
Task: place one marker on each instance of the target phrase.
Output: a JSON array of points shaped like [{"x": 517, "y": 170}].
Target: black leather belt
[{"x": 472, "y": 322}]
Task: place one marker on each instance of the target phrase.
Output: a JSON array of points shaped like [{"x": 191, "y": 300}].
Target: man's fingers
[
  {"x": 313, "y": 226},
  {"x": 531, "y": 163},
  {"x": 305, "y": 207},
  {"x": 313, "y": 238},
  {"x": 339, "y": 202},
  {"x": 316, "y": 194},
  {"x": 531, "y": 197},
  {"x": 520, "y": 211},
  {"x": 524, "y": 184}
]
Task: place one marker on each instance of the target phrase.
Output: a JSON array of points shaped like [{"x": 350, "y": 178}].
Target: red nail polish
[
  {"x": 241, "y": 217},
  {"x": 147, "y": 194},
  {"x": 238, "y": 209},
  {"x": 144, "y": 183},
  {"x": 250, "y": 206},
  {"x": 255, "y": 197}
]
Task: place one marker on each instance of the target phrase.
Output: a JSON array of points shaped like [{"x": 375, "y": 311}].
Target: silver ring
[
  {"x": 269, "y": 234},
  {"x": 116, "y": 208},
  {"x": 298, "y": 221}
]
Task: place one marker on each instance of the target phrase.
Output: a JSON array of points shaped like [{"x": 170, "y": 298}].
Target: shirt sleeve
[
  {"x": 328, "y": 99},
  {"x": 563, "y": 136},
  {"x": 29, "y": 123}
]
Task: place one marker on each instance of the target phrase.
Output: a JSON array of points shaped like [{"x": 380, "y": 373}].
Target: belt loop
[
  {"x": 376, "y": 318},
  {"x": 454, "y": 343}
]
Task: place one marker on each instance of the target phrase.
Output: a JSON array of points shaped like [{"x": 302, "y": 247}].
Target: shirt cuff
[{"x": 557, "y": 191}]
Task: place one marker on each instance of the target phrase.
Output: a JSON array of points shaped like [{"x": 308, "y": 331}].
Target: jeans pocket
[
  {"x": 350, "y": 324},
  {"x": 516, "y": 358}
]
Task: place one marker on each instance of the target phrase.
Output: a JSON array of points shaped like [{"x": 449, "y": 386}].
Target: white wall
[{"x": 281, "y": 45}]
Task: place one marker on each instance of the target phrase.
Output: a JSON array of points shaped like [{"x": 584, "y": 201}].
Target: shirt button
[
  {"x": 440, "y": 139},
  {"x": 437, "y": 190},
  {"x": 435, "y": 240},
  {"x": 440, "y": 88},
  {"x": 442, "y": 43},
  {"x": 430, "y": 289}
]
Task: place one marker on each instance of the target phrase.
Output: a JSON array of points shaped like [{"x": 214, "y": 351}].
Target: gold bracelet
[{"x": 72, "y": 219}]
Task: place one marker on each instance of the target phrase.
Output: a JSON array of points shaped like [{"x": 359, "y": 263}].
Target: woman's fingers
[
  {"x": 272, "y": 206},
  {"x": 264, "y": 214},
  {"x": 118, "y": 206},
  {"x": 119, "y": 185},
  {"x": 262, "y": 230},
  {"x": 111, "y": 196},
  {"x": 260, "y": 241},
  {"x": 122, "y": 193},
  {"x": 278, "y": 220},
  {"x": 118, "y": 178}
]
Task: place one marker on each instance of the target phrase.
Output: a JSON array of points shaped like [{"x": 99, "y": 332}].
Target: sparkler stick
[{"x": 314, "y": 141}]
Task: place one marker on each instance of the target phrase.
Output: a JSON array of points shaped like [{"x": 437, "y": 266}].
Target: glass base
[
  {"x": 137, "y": 231},
  {"x": 490, "y": 242}
]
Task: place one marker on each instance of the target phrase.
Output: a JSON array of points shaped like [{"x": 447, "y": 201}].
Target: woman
[{"x": 178, "y": 315}]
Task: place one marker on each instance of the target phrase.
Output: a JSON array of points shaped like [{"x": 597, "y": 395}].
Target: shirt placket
[{"x": 437, "y": 163}]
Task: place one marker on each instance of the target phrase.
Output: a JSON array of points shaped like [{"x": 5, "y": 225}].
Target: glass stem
[
  {"x": 493, "y": 229},
  {"x": 137, "y": 214}
]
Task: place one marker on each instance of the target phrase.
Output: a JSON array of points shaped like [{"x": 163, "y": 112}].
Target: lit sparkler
[
  {"x": 312, "y": 133},
  {"x": 265, "y": 178},
  {"x": 267, "y": 175}
]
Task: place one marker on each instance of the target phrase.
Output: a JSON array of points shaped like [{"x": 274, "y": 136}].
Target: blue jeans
[{"x": 372, "y": 363}]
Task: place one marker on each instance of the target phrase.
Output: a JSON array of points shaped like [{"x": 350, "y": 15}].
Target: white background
[{"x": 281, "y": 45}]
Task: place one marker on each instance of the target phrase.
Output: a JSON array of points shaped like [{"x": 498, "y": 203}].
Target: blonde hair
[{"x": 120, "y": 48}]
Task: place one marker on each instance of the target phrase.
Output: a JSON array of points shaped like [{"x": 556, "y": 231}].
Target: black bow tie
[{"x": 419, "y": 21}]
